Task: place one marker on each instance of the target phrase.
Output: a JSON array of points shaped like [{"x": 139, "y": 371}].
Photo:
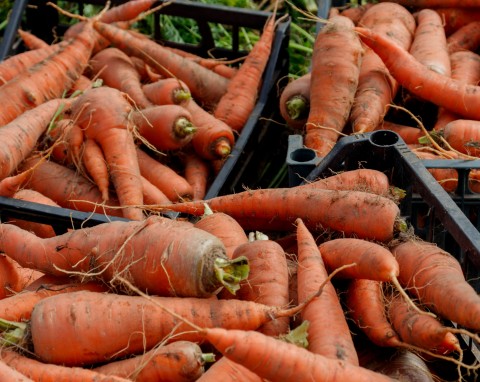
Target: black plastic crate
[{"x": 246, "y": 159}]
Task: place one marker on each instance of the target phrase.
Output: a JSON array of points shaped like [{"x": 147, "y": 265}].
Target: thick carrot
[
  {"x": 48, "y": 79},
  {"x": 238, "y": 102},
  {"x": 465, "y": 38},
  {"x": 284, "y": 205},
  {"x": 463, "y": 135},
  {"x": 137, "y": 250},
  {"x": 328, "y": 334},
  {"x": 329, "y": 110},
  {"x": 206, "y": 86},
  {"x": 21, "y": 135},
  {"x": 116, "y": 70},
  {"x": 166, "y": 179},
  {"x": 420, "y": 330},
  {"x": 429, "y": 46},
  {"x": 366, "y": 306},
  {"x": 129, "y": 324},
  {"x": 422, "y": 82},
  {"x": 376, "y": 87},
  {"x": 197, "y": 172},
  {"x": 295, "y": 101},
  {"x": 40, "y": 371},
  {"x": 180, "y": 361},
  {"x": 104, "y": 115},
  {"x": 65, "y": 139},
  {"x": 436, "y": 278},
  {"x": 167, "y": 91},
  {"x": 228, "y": 371},
  {"x": 9, "y": 374},
  {"x": 95, "y": 165},
  {"x": 355, "y": 13},
  {"x": 456, "y": 17},
  {"x": 166, "y": 127}
]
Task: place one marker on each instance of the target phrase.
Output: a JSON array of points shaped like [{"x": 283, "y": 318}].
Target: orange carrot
[
  {"x": 365, "y": 304},
  {"x": 116, "y": 70},
  {"x": 355, "y": 13},
  {"x": 447, "y": 177},
  {"x": 283, "y": 205},
  {"x": 455, "y": 17},
  {"x": 104, "y": 115},
  {"x": 31, "y": 41},
  {"x": 238, "y": 102},
  {"x": 422, "y": 82},
  {"x": 152, "y": 195},
  {"x": 436, "y": 278},
  {"x": 65, "y": 139},
  {"x": 228, "y": 371},
  {"x": 166, "y": 127},
  {"x": 180, "y": 361},
  {"x": 167, "y": 91},
  {"x": 295, "y": 102},
  {"x": 328, "y": 334},
  {"x": 9, "y": 374},
  {"x": 463, "y": 135},
  {"x": 94, "y": 162},
  {"x": 420, "y": 330},
  {"x": 206, "y": 86},
  {"x": 197, "y": 173},
  {"x": 465, "y": 38},
  {"x": 137, "y": 248},
  {"x": 438, "y": 3},
  {"x": 429, "y": 46},
  {"x": 167, "y": 180},
  {"x": 328, "y": 114},
  {"x": 40, "y": 371},
  {"x": 409, "y": 134}
]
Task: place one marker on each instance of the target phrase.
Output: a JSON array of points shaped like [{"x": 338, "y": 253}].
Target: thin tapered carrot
[
  {"x": 228, "y": 371},
  {"x": 135, "y": 249},
  {"x": 329, "y": 113},
  {"x": 116, "y": 70},
  {"x": 40, "y": 371},
  {"x": 31, "y": 41},
  {"x": 48, "y": 79},
  {"x": 9, "y": 374},
  {"x": 165, "y": 178},
  {"x": 206, "y": 86},
  {"x": 436, "y": 278},
  {"x": 166, "y": 127},
  {"x": 21, "y": 135},
  {"x": 284, "y": 205},
  {"x": 197, "y": 172},
  {"x": 465, "y": 38},
  {"x": 328, "y": 334},
  {"x": 152, "y": 195},
  {"x": 95, "y": 165},
  {"x": 429, "y": 45},
  {"x": 167, "y": 91},
  {"x": 366, "y": 306},
  {"x": 180, "y": 361},
  {"x": 295, "y": 101},
  {"x": 238, "y": 102},
  {"x": 104, "y": 115},
  {"x": 419, "y": 80}
]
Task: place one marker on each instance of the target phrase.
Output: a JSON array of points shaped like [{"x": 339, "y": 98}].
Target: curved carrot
[
  {"x": 328, "y": 114},
  {"x": 206, "y": 86},
  {"x": 94, "y": 162},
  {"x": 197, "y": 173},
  {"x": 328, "y": 334},
  {"x": 295, "y": 102},
  {"x": 422, "y": 82},
  {"x": 465, "y": 38}
]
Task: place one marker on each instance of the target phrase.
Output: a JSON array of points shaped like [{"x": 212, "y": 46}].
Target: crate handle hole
[
  {"x": 303, "y": 155},
  {"x": 384, "y": 138}
]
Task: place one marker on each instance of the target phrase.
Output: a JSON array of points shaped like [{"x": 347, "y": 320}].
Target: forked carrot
[
  {"x": 64, "y": 140},
  {"x": 95, "y": 165}
]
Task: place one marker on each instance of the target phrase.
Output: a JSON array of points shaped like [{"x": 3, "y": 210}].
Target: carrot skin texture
[
  {"x": 205, "y": 85},
  {"x": 463, "y": 135},
  {"x": 328, "y": 334},
  {"x": 9, "y": 374},
  {"x": 84, "y": 251},
  {"x": 152, "y": 195},
  {"x": 465, "y": 38},
  {"x": 436, "y": 278},
  {"x": 197, "y": 173},
  {"x": 167, "y": 91},
  {"x": 228, "y": 371}
]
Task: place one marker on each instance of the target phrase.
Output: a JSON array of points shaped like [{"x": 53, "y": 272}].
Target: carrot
[
  {"x": 376, "y": 87},
  {"x": 180, "y": 361},
  {"x": 206, "y": 87},
  {"x": 463, "y": 135},
  {"x": 129, "y": 324},
  {"x": 166, "y": 127},
  {"x": 40, "y": 371},
  {"x": 436, "y": 279},
  {"x": 420, "y": 330},
  {"x": 465, "y": 38},
  {"x": 9, "y": 374},
  {"x": 328, "y": 334},
  {"x": 225, "y": 228},
  {"x": 19, "y": 306},
  {"x": 152, "y": 195},
  {"x": 438, "y": 3},
  {"x": 94, "y": 162},
  {"x": 465, "y": 68},
  {"x": 228, "y": 371},
  {"x": 422, "y": 82},
  {"x": 446, "y": 177},
  {"x": 22, "y": 134},
  {"x": 171, "y": 183},
  {"x": 285, "y": 205},
  {"x": 409, "y": 134},
  {"x": 355, "y": 13},
  {"x": 39, "y": 229},
  {"x": 455, "y": 17},
  {"x": 295, "y": 101},
  {"x": 65, "y": 138},
  {"x": 48, "y": 79},
  {"x": 167, "y": 91},
  {"x": 197, "y": 173},
  {"x": 238, "y": 102},
  {"x": 31, "y": 41},
  {"x": 365, "y": 304},
  {"x": 137, "y": 248},
  {"x": 116, "y": 70},
  {"x": 103, "y": 113},
  {"x": 329, "y": 110},
  {"x": 429, "y": 46}
]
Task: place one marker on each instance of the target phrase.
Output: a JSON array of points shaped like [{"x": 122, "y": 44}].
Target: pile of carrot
[{"x": 417, "y": 75}]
